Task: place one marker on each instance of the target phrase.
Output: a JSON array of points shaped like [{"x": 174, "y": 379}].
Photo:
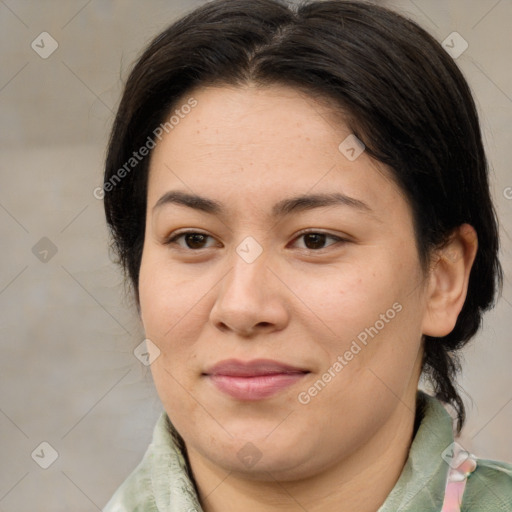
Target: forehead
[{"x": 263, "y": 142}]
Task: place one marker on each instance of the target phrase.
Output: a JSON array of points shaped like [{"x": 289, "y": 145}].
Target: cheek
[
  {"x": 350, "y": 298},
  {"x": 169, "y": 312},
  {"x": 371, "y": 314},
  {"x": 166, "y": 300},
  {"x": 173, "y": 312}
]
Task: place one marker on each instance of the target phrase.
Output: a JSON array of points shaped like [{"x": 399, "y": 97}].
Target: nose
[{"x": 250, "y": 300}]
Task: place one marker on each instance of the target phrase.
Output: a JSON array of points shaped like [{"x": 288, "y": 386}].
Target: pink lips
[{"x": 253, "y": 380}]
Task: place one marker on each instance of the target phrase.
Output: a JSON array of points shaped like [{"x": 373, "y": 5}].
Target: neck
[{"x": 361, "y": 481}]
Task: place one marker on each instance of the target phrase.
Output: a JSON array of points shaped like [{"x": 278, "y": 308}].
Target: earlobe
[{"x": 448, "y": 281}]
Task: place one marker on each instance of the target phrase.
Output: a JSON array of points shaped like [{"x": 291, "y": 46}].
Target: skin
[{"x": 297, "y": 302}]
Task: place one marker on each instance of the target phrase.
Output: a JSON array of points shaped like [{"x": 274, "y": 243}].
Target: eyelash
[{"x": 173, "y": 238}]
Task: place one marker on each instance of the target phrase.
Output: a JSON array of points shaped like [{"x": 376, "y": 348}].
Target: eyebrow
[{"x": 280, "y": 209}]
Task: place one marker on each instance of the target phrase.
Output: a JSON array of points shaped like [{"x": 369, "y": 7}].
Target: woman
[{"x": 300, "y": 200}]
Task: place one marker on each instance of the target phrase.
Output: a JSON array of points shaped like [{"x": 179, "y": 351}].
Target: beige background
[{"x": 67, "y": 373}]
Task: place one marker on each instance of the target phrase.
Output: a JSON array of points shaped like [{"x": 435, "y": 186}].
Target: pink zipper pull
[{"x": 456, "y": 481}]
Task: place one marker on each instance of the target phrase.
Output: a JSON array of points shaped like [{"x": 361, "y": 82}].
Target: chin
[{"x": 264, "y": 458}]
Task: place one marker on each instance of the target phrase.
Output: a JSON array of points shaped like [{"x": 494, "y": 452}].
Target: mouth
[{"x": 253, "y": 380}]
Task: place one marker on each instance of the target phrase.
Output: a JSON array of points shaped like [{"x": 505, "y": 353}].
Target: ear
[{"x": 448, "y": 281}]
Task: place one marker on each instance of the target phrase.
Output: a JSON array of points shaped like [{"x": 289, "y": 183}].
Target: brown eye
[
  {"x": 193, "y": 240},
  {"x": 315, "y": 241}
]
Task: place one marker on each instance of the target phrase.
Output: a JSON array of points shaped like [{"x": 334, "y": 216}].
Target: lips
[
  {"x": 253, "y": 380},
  {"x": 254, "y": 368}
]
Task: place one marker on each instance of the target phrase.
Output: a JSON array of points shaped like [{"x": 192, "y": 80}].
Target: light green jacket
[{"x": 162, "y": 481}]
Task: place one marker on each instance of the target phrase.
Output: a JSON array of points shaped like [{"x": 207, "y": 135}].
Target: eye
[
  {"x": 314, "y": 240},
  {"x": 193, "y": 240}
]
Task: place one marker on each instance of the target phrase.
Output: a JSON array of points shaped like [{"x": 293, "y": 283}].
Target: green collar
[
  {"x": 420, "y": 486},
  {"x": 162, "y": 482},
  {"x": 422, "y": 482}
]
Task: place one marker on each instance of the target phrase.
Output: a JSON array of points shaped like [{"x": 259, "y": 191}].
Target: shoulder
[
  {"x": 489, "y": 488},
  {"x": 135, "y": 493},
  {"x": 161, "y": 482}
]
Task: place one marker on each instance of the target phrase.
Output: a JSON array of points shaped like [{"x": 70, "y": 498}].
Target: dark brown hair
[{"x": 403, "y": 96}]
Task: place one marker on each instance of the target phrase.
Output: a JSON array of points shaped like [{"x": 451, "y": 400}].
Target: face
[{"x": 289, "y": 330}]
